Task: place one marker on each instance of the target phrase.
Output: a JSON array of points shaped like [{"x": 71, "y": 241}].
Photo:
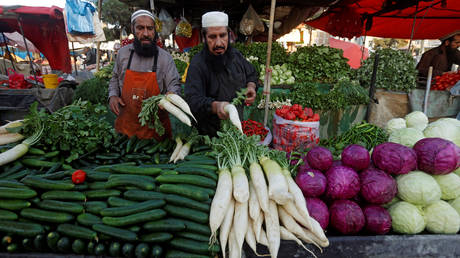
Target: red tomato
[
  {"x": 308, "y": 111},
  {"x": 290, "y": 116},
  {"x": 316, "y": 117},
  {"x": 296, "y": 107},
  {"x": 78, "y": 176}
]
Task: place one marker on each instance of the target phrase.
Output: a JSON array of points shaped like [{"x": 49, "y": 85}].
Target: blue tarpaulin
[{"x": 79, "y": 16}]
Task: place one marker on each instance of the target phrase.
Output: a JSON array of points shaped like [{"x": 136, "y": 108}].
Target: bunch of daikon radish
[
  {"x": 182, "y": 148},
  {"x": 172, "y": 103},
  {"x": 263, "y": 207}
]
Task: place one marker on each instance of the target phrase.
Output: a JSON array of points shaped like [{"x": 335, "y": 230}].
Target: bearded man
[
  {"x": 141, "y": 70},
  {"x": 216, "y": 74},
  {"x": 442, "y": 57}
]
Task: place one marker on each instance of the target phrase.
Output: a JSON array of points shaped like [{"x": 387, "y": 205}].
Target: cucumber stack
[{"x": 127, "y": 209}]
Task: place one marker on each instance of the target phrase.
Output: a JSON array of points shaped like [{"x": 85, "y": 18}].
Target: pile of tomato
[
  {"x": 446, "y": 80},
  {"x": 297, "y": 113},
  {"x": 251, "y": 127}
]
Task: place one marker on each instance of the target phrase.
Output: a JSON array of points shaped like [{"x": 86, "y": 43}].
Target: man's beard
[
  {"x": 218, "y": 62},
  {"x": 450, "y": 51},
  {"x": 146, "y": 50}
]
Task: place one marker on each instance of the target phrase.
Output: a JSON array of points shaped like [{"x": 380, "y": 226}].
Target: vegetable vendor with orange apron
[{"x": 141, "y": 70}]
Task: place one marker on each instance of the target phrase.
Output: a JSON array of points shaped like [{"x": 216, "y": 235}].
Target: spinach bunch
[
  {"x": 94, "y": 90},
  {"x": 396, "y": 70}
]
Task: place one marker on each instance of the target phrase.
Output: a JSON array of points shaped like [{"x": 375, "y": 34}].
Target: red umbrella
[
  {"x": 351, "y": 51},
  {"x": 391, "y": 19}
]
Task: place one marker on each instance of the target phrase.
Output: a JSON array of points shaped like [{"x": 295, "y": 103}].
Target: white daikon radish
[
  {"x": 226, "y": 226},
  {"x": 175, "y": 111},
  {"x": 233, "y": 115},
  {"x": 273, "y": 228},
  {"x": 254, "y": 208},
  {"x": 286, "y": 235},
  {"x": 240, "y": 222},
  {"x": 220, "y": 202},
  {"x": 260, "y": 185},
  {"x": 180, "y": 102},
  {"x": 277, "y": 185},
  {"x": 177, "y": 149}
]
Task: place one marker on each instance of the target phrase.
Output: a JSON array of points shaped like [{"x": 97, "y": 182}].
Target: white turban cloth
[{"x": 214, "y": 19}]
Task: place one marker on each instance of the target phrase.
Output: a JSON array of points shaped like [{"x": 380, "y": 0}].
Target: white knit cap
[
  {"x": 139, "y": 13},
  {"x": 214, "y": 19}
]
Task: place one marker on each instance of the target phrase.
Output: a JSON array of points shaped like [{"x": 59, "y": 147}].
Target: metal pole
[
  {"x": 372, "y": 87},
  {"x": 427, "y": 90},
  {"x": 413, "y": 27},
  {"x": 9, "y": 55},
  {"x": 74, "y": 60},
  {"x": 98, "y": 53},
  {"x": 27, "y": 49},
  {"x": 268, "y": 72}
]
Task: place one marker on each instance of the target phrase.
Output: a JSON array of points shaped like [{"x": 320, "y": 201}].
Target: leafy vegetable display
[
  {"x": 396, "y": 70},
  {"x": 181, "y": 66},
  {"x": 105, "y": 72},
  {"x": 94, "y": 90},
  {"x": 76, "y": 129},
  {"x": 319, "y": 64},
  {"x": 280, "y": 74}
]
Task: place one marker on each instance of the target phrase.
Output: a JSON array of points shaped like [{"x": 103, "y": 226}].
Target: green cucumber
[
  {"x": 151, "y": 171},
  {"x": 115, "y": 249},
  {"x": 188, "y": 245},
  {"x": 37, "y": 163},
  {"x": 46, "y": 216},
  {"x": 142, "y": 250},
  {"x": 42, "y": 183},
  {"x": 186, "y": 202},
  {"x": 181, "y": 254},
  {"x": 8, "y": 215},
  {"x": 40, "y": 242},
  {"x": 209, "y": 191},
  {"x": 135, "y": 208},
  {"x": 64, "y": 245},
  {"x": 51, "y": 240},
  {"x": 165, "y": 225},
  {"x": 160, "y": 166},
  {"x": 118, "y": 233},
  {"x": 56, "y": 175},
  {"x": 187, "y": 179},
  {"x": 88, "y": 219},
  {"x": 76, "y": 231},
  {"x": 99, "y": 250},
  {"x": 102, "y": 194},
  {"x": 193, "y": 236},
  {"x": 119, "y": 202},
  {"x": 14, "y": 204},
  {"x": 63, "y": 195},
  {"x": 53, "y": 169},
  {"x": 157, "y": 251},
  {"x": 12, "y": 184},
  {"x": 150, "y": 179},
  {"x": 81, "y": 187},
  {"x": 196, "y": 164},
  {"x": 54, "y": 205},
  {"x": 137, "y": 218},
  {"x": 135, "y": 229},
  {"x": 128, "y": 250},
  {"x": 140, "y": 195},
  {"x": 130, "y": 181},
  {"x": 191, "y": 226},
  {"x": 198, "y": 171},
  {"x": 186, "y": 213},
  {"x": 184, "y": 190},
  {"x": 169, "y": 172},
  {"x": 107, "y": 168},
  {"x": 157, "y": 237},
  {"x": 98, "y": 185},
  {"x": 35, "y": 151},
  {"x": 95, "y": 176},
  {"x": 14, "y": 169},
  {"x": 51, "y": 154},
  {"x": 16, "y": 193},
  {"x": 19, "y": 175},
  {"x": 95, "y": 207},
  {"x": 78, "y": 246}
]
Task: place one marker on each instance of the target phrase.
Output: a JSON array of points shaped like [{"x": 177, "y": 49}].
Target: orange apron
[{"x": 138, "y": 86}]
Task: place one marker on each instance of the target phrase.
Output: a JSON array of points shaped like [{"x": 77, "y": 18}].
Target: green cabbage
[
  {"x": 394, "y": 124},
  {"x": 406, "y": 136},
  {"x": 393, "y": 201},
  {"x": 456, "y": 205},
  {"x": 450, "y": 186},
  {"x": 457, "y": 171},
  {"x": 418, "y": 188},
  {"x": 406, "y": 218},
  {"x": 441, "y": 218},
  {"x": 417, "y": 120},
  {"x": 443, "y": 128}
]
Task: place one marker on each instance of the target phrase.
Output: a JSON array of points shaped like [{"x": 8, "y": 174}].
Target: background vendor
[
  {"x": 442, "y": 57},
  {"x": 141, "y": 70},
  {"x": 215, "y": 75}
]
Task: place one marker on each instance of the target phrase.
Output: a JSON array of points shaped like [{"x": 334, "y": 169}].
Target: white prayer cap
[
  {"x": 214, "y": 19},
  {"x": 139, "y": 13}
]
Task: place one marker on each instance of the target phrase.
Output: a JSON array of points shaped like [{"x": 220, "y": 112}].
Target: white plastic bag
[
  {"x": 251, "y": 22},
  {"x": 168, "y": 24}
]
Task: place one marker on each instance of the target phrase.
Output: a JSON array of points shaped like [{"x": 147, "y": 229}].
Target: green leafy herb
[
  {"x": 149, "y": 114},
  {"x": 94, "y": 90},
  {"x": 181, "y": 66},
  {"x": 105, "y": 73}
]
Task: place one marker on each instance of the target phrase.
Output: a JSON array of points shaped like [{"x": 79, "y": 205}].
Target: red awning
[
  {"x": 44, "y": 27},
  {"x": 349, "y": 18},
  {"x": 353, "y": 52}
]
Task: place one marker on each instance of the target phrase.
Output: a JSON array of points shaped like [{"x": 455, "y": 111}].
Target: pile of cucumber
[{"x": 130, "y": 208}]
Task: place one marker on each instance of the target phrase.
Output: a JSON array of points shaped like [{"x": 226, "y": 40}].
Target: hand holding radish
[
  {"x": 250, "y": 94},
  {"x": 218, "y": 108}
]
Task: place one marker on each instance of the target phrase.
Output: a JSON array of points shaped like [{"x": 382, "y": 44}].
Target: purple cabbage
[
  {"x": 356, "y": 157},
  {"x": 312, "y": 182},
  {"x": 342, "y": 183},
  {"x": 377, "y": 187},
  {"x": 394, "y": 158},
  {"x": 320, "y": 158},
  {"x": 346, "y": 217},
  {"x": 378, "y": 219},
  {"x": 437, "y": 156},
  {"x": 318, "y": 210}
]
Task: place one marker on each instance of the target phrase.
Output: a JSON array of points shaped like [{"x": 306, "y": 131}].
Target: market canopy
[
  {"x": 44, "y": 27},
  {"x": 15, "y": 39},
  {"x": 391, "y": 19}
]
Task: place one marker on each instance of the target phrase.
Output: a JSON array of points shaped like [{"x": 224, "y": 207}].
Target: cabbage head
[
  {"x": 450, "y": 186},
  {"x": 393, "y": 201},
  {"x": 417, "y": 120},
  {"x": 456, "y": 205},
  {"x": 418, "y": 188},
  {"x": 406, "y": 136},
  {"x": 394, "y": 124},
  {"x": 457, "y": 171},
  {"x": 406, "y": 218},
  {"x": 443, "y": 128},
  {"x": 441, "y": 218}
]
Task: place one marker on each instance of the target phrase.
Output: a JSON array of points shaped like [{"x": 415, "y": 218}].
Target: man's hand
[
  {"x": 218, "y": 109},
  {"x": 115, "y": 103},
  {"x": 250, "y": 94}
]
